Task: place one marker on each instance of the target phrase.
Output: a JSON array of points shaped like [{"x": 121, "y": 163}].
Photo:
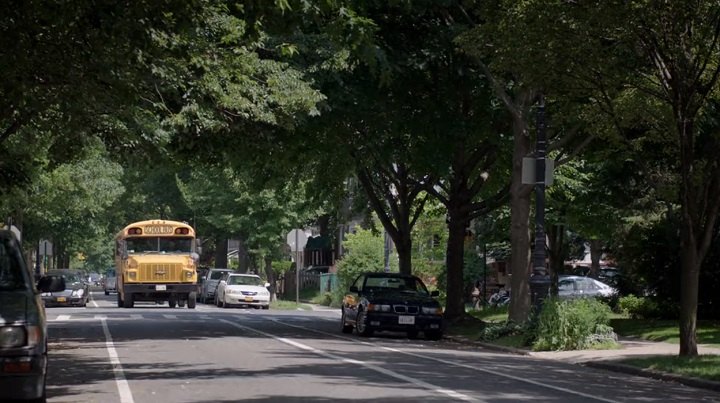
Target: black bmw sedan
[
  {"x": 76, "y": 291},
  {"x": 393, "y": 302}
]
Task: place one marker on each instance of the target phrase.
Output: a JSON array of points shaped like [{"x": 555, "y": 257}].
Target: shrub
[
  {"x": 494, "y": 331},
  {"x": 571, "y": 324},
  {"x": 638, "y": 307},
  {"x": 364, "y": 253}
]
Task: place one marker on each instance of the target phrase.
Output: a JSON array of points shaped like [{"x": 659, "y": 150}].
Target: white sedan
[{"x": 243, "y": 289}]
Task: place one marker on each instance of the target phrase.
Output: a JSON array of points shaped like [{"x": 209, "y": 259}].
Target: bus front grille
[{"x": 161, "y": 273}]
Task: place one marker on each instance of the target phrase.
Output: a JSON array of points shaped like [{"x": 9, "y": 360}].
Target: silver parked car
[
  {"x": 110, "y": 282},
  {"x": 579, "y": 286},
  {"x": 210, "y": 284}
]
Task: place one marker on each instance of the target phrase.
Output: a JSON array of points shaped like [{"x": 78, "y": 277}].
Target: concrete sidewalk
[
  {"x": 630, "y": 348},
  {"x": 633, "y": 348}
]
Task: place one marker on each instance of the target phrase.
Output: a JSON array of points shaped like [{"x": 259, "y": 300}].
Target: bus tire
[
  {"x": 192, "y": 300},
  {"x": 128, "y": 302},
  {"x": 119, "y": 300},
  {"x": 172, "y": 302}
]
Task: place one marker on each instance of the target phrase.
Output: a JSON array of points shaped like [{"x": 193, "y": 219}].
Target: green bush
[
  {"x": 494, "y": 331},
  {"x": 638, "y": 307},
  {"x": 570, "y": 324},
  {"x": 363, "y": 253}
]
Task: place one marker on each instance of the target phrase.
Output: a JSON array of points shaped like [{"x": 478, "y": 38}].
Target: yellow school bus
[{"x": 155, "y": 260}]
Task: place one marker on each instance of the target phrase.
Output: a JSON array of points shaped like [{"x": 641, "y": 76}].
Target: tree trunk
[
  {"x": 243, "y": 256},
  {"x": 595, "y": 255},
  {"x": 221, "y": 251},
  {"x": 455, "y": 304},
  {"x": 519, "y": 310},
  {"x": 689, "y": 283},
  {"x": 270, "y": 274},
  {"x": 404, "y": 251}
]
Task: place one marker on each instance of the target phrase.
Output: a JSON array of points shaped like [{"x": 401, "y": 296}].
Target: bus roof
[{"x": 123, "y": 232}]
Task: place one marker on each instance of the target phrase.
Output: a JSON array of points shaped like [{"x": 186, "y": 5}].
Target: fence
[
  {"x": 286, "y": 283},
  {"x": 328, "y": 282}
]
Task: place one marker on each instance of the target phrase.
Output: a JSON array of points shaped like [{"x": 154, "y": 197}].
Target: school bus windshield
[{"x": 159, "y": 245}]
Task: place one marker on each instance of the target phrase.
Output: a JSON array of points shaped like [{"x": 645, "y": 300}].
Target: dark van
[{"x": 23, "y": 329}]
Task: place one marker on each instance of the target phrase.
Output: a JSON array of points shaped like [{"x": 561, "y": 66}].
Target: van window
[
  {"x": 11, "y": 276},
  {"x": 217, "y": 275}
]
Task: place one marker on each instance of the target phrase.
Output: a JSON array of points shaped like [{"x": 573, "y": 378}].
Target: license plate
[
  {"x": 60, "y": 299},
  {"x": 248, "y": 299},
  {"x": 160, "y": 288},
  {"x": 406, "y": 320}
]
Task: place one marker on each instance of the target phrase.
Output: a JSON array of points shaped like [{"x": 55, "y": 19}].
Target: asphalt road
[{"x": 155, "y": 354}]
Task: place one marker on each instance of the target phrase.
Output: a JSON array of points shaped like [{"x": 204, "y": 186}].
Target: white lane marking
[
  {"x": 62, "y": 317},
  {"x": 101, "y": 317},
  {"x": 95, "y": 303},
  {"x": 456, "y": 364},
  {"x": 170, "y": 316},
  {"x": 135, "y": 316},
  {"x": 204, "y": 317},
  {"x": 122, "y": 383},
  {"x": 367, "y": 365}
]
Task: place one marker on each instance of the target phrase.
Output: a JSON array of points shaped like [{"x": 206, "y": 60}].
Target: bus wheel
[
  {"x": 128, "y": 301},
  {"x": 192, "y": 299},
  {"x": 172, "y": 302},
  {"x": 181, "y": 303},
  {"x": 119, "y": 301}
]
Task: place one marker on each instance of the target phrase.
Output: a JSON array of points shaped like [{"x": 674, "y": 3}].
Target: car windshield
[
  {"x": 69, "y": 276},
  {"x": 11, "y": 276},
  {"x": 159, "y": 245},
  {"x": 244, "y": 280},
  {"x": 402, "y": 284},
  {"x": 217, "y": 275}
]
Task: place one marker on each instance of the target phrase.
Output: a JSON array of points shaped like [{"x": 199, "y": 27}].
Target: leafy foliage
[
  {"x": 364, "y": 253},
  {"x": 570, "y": 324}
]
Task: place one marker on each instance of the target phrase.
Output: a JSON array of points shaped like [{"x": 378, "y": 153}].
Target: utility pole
[{"x": 539, "y": 278}]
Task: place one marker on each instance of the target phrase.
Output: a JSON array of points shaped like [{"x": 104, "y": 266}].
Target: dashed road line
[{"x": 122, "y": 383}]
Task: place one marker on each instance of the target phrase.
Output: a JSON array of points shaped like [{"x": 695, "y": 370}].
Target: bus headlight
[{"x": 132, "y": 275}]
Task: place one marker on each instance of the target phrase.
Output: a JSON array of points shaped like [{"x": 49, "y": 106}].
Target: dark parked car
[
  {"x": 23, "y": 328},
  {"x": 210, "y": 283},
  {"x": 76, "y": 292},
  {"x": 394, "y": 302}
]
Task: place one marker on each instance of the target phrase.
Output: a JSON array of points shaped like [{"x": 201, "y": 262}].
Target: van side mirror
[
  {"x": 267, "y": 285},
  {"x": 51, "y": 284},
  {"x": 435, "y": 293}
]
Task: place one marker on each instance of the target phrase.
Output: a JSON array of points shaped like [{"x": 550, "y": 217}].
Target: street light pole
[{"x": 539, "y": 279}]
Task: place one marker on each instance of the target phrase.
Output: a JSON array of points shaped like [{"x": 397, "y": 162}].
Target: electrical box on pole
[{"x": 528, "y": 171}]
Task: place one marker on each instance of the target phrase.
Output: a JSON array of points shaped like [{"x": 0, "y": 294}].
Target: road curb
[
  {"x": 488, "y": 346},
  {"x": 650, "y": 373}
]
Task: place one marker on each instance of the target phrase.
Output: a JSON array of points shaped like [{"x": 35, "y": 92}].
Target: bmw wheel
[{"x": 361, "y": 326}]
